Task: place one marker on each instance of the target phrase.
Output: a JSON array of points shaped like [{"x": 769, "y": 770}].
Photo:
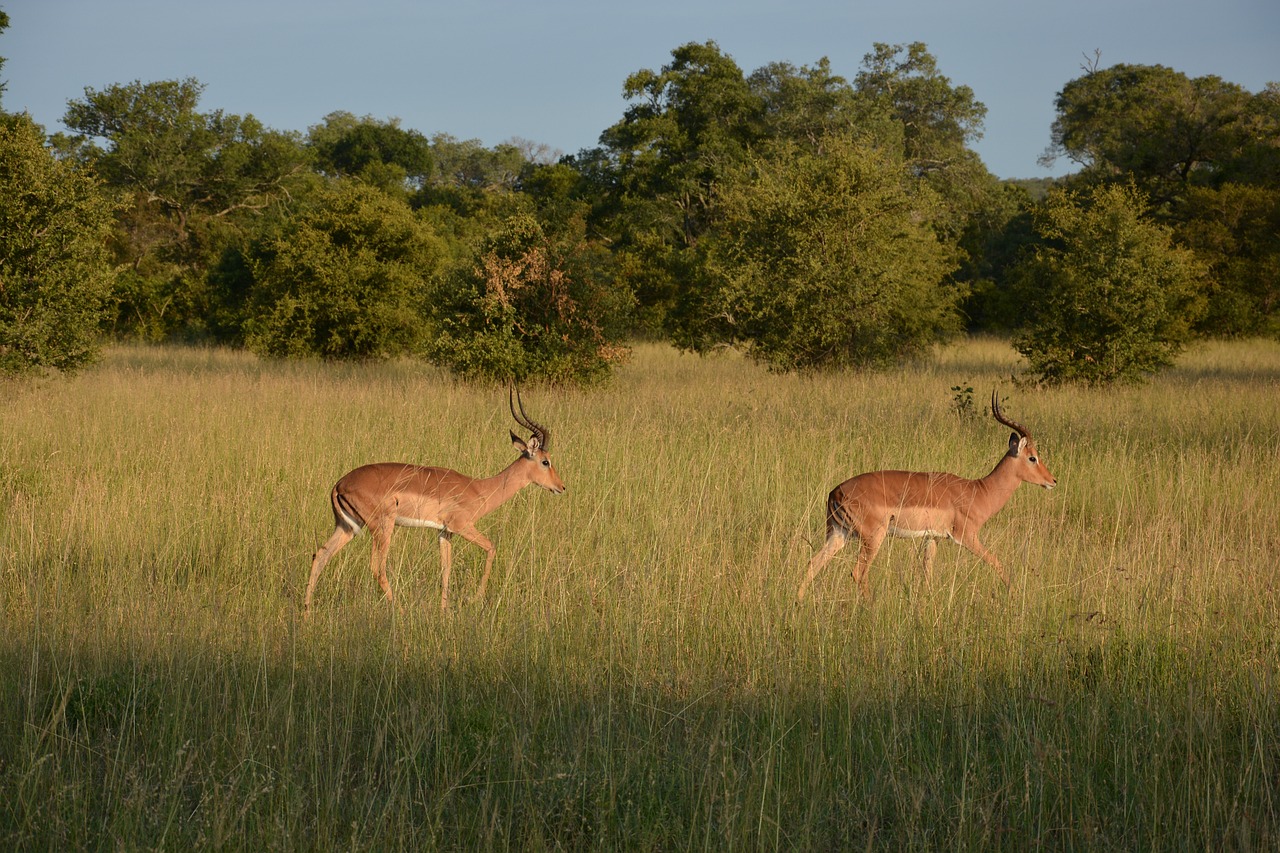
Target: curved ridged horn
[
  {"x": 1013, "y": 425},
  {"x": 541, "y": 433}
]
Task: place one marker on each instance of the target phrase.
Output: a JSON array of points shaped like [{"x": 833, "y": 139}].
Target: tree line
[{"x": 811, "y": 221}]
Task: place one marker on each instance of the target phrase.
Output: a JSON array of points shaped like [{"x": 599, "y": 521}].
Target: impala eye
[
  {"x": 1031, "y": 459},
  {"x": 546, "y": 463}
]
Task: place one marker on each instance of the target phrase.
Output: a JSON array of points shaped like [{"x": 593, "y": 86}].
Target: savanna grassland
[{"x": 640, "y": 675}]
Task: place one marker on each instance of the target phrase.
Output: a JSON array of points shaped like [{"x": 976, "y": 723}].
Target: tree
[
  {"x": 1207, "y": 153},
  {"x": 1235, "y": 230},
  {"x": 537, "y": 302},
  {"x": 934, "y": 121},
  {"x": 380, "y": 153},
  {"x": 192, "y": 184},
  {"x": 803, "y": 104},
  {"x": 687, "y": 124},
  {"x": 993, "y": 242},
  {"x": 54, "y": 271},
  {"x": 1109, "y": 296},
  {"x": 821, "y": 258},
  {"x": 467, "y": 177},
  {"x": 348, "y": 278},
  {"x": 938, "y": 119},
  {"x": 1151, "y": 125}
]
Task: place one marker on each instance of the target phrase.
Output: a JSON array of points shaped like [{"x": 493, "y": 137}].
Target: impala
[
  {"x": 930, "y": 506},
  {"x": 386, "y": 494}
]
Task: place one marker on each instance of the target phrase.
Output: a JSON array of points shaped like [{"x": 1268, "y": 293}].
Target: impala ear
[
  {"x": 518, "y": 443},
  {"x": 1016, "y": 443}
]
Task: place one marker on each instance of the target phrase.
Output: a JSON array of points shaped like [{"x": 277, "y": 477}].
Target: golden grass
[{"x": 640, "y": 675}]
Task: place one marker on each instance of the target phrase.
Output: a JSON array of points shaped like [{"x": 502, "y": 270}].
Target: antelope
[
  {"x": 929, "y": 506},
  {"x": 386, "y": 494}
]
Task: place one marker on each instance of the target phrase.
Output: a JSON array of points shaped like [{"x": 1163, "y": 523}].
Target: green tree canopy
[
  {"x": 189, "y": 181},
  {"x": 822, "y": 256},
  {"x": 1150, "y": 124},
  {"x": 380, "y": 153},
  {"x": 54, "y": 271},
  {"x": 348, "y": 278},
  {"x": 1235, "y": 230},
  {"x": 1108, "y": 295}
]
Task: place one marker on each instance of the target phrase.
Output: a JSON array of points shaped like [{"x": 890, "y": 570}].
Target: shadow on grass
[{"x": 310, "y": 751}]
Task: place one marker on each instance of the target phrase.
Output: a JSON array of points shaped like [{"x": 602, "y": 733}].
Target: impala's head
[
  {"x": 1029, "y": 466},
  {"x": 535, "y": 449}
]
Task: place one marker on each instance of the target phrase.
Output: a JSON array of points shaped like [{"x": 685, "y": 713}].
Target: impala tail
[
  {"x": 345, "y": 515},
  {"x": 837, "y": 515}
]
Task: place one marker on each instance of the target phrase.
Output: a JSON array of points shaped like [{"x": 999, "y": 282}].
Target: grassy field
[{"x": 640, "y": 676}]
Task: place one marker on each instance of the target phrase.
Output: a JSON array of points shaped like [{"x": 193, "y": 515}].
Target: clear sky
[{"x": 551, "y": 71}]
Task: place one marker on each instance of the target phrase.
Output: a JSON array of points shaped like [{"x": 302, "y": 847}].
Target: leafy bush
[
  {"x": 1235, "y": 230},
  {"x": 54, "y": 273},
  {"x": 348, "y": 279},
  {"x": 823, "y": 259},
  {"x": 533, "y": 305},
  {"x": 1108, "y": 295}
]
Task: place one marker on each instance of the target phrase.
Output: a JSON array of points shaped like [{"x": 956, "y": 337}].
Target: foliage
[
  {"x": 1108, "y": 296},
  {"x": 822, "y": 258},
  {"x": 695, "y": 125},
  {"x": 687, "y": 124},
  {"x": 346, "y": 279},
  {"x": 1235, "y": 230},
  {"x": 934, "y": 121},
  {"x": 466, "y": 175},
  {"x": 995, "y": 239},
  {"x": 380, "y": 153},
  {"x": 535, "y": 303},
  {"x": 191, "y": 184},
  {"x": 1159, "y": 128},
  {"x": 54, "y": 272}
]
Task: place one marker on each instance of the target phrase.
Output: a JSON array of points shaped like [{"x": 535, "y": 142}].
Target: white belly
[
  {"x": 906, "y": 533},
  {"x": 403, "y": 521}
]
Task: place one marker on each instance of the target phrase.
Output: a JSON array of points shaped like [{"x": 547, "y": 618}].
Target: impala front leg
[
  {"x": 479, "y": 539},
  {"x": 446, "y": 566},
  {"x": 972, "y": 543},
  {"x": 930, "y": 551},
  {"x": 381, "y": 532}
]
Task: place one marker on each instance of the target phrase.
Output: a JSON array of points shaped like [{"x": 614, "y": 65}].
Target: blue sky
[{"x": 551, "y": 71}]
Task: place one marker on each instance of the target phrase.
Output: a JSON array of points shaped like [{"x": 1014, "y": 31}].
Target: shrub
[
  {"x": 348, "y": 279},
  {"x": 823, "y": 259},
  {"x": 54, "y": 273},
  {"x": 1108, "y": 296},
  {"x": 533, "y": 305}
]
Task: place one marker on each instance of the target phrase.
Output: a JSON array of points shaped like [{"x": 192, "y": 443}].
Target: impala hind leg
[
  {"x": 381, "y": 547},
  {"x": 836, "y": 539},
  {"x": 869, "y": 546},
  {"x": 341, "y": 536}
]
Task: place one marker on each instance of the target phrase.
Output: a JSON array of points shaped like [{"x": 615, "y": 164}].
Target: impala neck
[
  {"x": 998, "y": 486},
  {"x": 501, "y": 487}
]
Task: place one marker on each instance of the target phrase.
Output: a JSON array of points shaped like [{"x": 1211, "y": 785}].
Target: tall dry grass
[{"x": 640, "y": 675}]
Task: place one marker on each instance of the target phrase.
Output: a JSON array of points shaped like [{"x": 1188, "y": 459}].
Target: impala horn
[
  {"x": 1013, "y": 425},
  {"x": 540, "y": 433}
]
